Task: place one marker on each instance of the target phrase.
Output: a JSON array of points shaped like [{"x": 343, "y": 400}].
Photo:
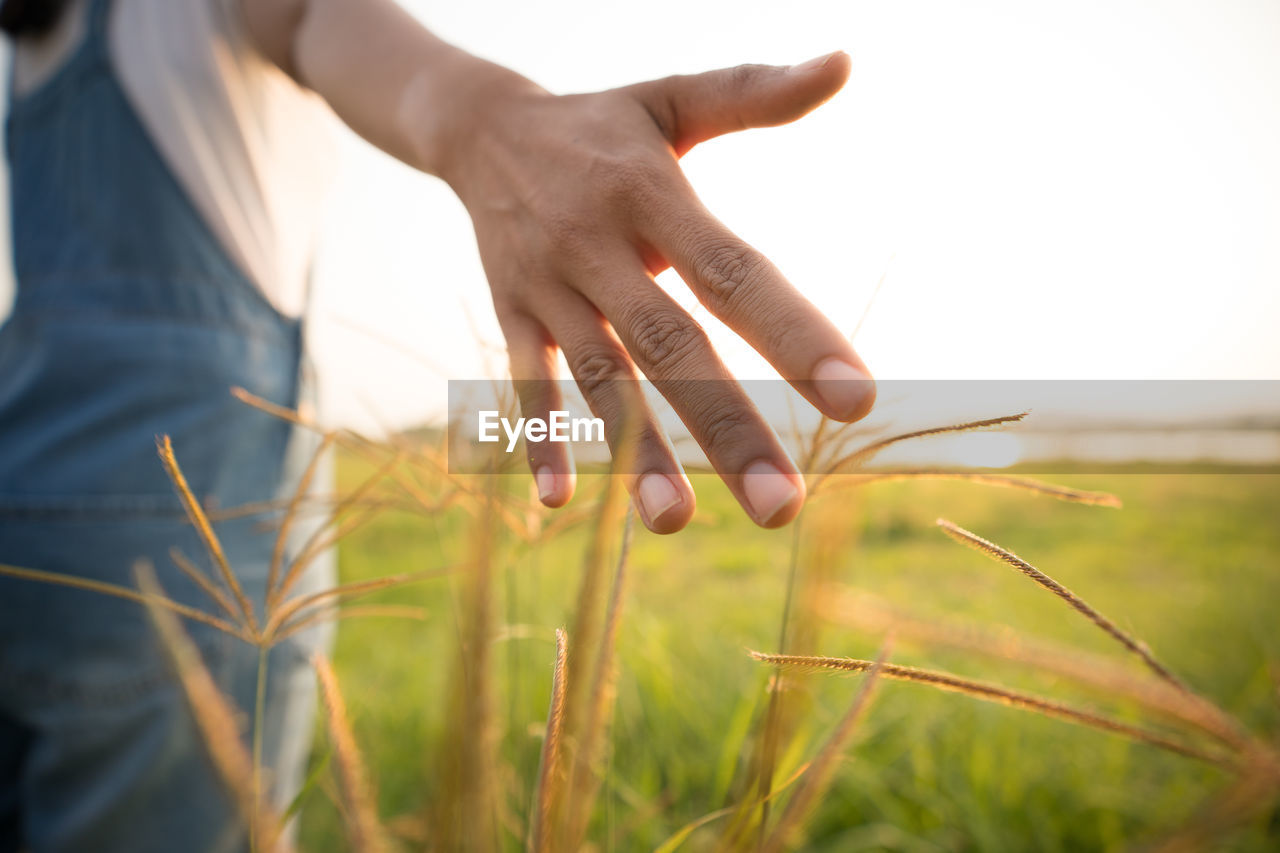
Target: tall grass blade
[
  {"x": 200, "y": 579},
  {"x": 864, "y": 454},
  {"x": 295, "y": 606},
  {"x": 363, "y": 829},
  {"x": 195, "y": 512},
  {"x": 216, "y": 719},
  {"x": 822, "y": 769},
  {"x": 993, "y": 693},
  {"x": 467, "y": 816},
  {"x": 299, "y": 494},
  {"x": 357, "y": 611},
  {"x": 550, "y": 779},
  {"x": 1026, "y": 484},
  {"x": 864, "y": 612},
  {"x": 117, "y": 591},
  {"x": 319, "y": 541},
  {"x": 584, "y": 787},
  {"x": 996, "y": 552},
  {"x": 681, "y": 835}
]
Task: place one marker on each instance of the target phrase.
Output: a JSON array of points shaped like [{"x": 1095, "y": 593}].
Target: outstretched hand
[{"x": 578, "y": 202}]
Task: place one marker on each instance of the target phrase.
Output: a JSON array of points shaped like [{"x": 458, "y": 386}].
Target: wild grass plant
[{"x": 484, "y": 791}]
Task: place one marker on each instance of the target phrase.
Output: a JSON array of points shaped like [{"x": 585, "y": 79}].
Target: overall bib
[{"x": 130, "y": 322}]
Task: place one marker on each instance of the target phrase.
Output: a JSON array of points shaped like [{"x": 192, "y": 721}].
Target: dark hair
[{"x": 30, "y": 17}]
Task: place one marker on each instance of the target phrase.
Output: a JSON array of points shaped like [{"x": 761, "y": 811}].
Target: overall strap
[{"x": 98, "y": 18}]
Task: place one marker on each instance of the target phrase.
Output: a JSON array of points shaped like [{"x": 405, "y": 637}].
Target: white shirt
[{"x": 253, "y": 150}]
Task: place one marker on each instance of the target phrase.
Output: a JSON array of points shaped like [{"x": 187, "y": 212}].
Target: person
[{"x": 165, "y": 168}]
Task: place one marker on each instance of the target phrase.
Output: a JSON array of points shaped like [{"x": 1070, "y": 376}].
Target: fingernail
[
  {"x": 656, "y": 494},
  {"x": 813, "y": 64},
  {"x": 546, "y": 481},
  {"x": 768, "y": 490},
  {"x": 843, "y": 387}
]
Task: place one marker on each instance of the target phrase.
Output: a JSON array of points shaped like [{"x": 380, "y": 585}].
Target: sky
[{"x": 1078, "y": 190}]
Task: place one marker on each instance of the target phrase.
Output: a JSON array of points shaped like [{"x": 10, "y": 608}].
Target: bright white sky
[{"x": 1055, "y": 190}]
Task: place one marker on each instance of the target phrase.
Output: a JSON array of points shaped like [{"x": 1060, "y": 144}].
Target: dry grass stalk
[
  {"x": 356, "y": 495},
  {"x": 585, "y": 780},
  {"x": 358, "y": 611},
  {"x": 682, "y": 834},
  {"x": 563, "y": 520},
  {"x": 343, "y": 437},
  {"x": 995, "y": 551},
  {"x": 294, "y": 606},
  {"x": 779, "y": 717},
  {"x": 582, "y": 726},
  {"x": 215, "y": 718},
  {"x": 589, "y": 612},
  {"x": 993, "y": 693},
  {"x": 274, "y": 505},
  {"x": 291, "y": 511},
  {"x": 200, "y": 521},
  {"x": 466, "y": 815},
  {"x": 502, "y": 505},
  {"x": 322, "y": 541},
  {"x": 319, "y": 541},
  {"x": 864, "y": 454},
  {"x": 822, "y": 769},
  {"x": 250, "y": 399},
  {"x": 117, "y": 591},
  {"x": 192, "y": 571},
  {"x": 1026, "y": 484},
  {"x": 316, "y": 504},
  {"x": 363, "y": 828},
  {"x": 371, "y": 450},
  {"x": 864, "y": 611},
  {"x": 547, "y": 791}
]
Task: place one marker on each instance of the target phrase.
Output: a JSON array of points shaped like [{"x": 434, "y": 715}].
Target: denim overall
[{"x": 130, "y": 322}]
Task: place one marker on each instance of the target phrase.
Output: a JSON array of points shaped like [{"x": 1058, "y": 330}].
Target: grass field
[{"x": 1191, "y": 565}]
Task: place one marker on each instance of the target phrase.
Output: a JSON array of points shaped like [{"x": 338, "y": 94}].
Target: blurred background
[{"x": 1078, "y": 190}]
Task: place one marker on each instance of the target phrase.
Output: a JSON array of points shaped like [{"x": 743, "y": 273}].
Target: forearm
[{"x": 384, "y": 74}]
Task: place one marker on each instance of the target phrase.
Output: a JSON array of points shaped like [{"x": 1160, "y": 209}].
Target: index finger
[{"x": 748, "y": 293}]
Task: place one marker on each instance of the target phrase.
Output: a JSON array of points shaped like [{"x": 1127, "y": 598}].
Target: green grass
[{"x": 1191, "y": 565}]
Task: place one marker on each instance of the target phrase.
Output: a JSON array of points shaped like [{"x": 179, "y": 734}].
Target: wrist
[{"x": 447, "y": 106}]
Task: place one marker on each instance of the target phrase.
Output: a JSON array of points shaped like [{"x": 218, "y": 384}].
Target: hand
[{"x": 578, "y": 202}]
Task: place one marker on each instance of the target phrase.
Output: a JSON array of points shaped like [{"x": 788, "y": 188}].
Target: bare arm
[
  {"x": 384, "y": 74},
  {"x": 578, "y": 201}
]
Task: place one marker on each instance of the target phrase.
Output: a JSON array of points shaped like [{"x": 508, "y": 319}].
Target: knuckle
[
  {"x": 596, "y": 370},
  {"x": 663, "y": 339},
  {"x": 725, "y": 273},
  {"x": 726, "y": 428},
  {"x": 745, "y": 76}
]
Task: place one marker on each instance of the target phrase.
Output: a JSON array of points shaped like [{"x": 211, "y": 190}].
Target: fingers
[
  {"x": 748, "y": 293},
  {"x": 608, "y": 382},
  {"x": 674, "y": 352},
  {"x": 533, "y": 372},
  {"x": 694, "y": 108}
]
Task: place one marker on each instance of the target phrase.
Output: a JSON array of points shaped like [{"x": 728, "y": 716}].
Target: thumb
[{"x": 696, "y": 107}]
